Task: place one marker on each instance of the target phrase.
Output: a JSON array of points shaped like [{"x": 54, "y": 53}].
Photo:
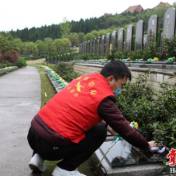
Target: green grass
[
  {"x": 46, "y": 86},
  {"x": 47, "y": 90}
]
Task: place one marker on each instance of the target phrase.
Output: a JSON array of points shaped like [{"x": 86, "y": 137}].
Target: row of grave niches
[
  {"x": 103, "y": 44},
  {"x": 7, "y": 69},
  {"x": 140, "y": 64},
  {"x": 57, "y": 82}
]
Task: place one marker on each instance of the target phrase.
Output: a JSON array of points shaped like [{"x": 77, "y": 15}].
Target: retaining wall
[{"x": 156, "y": 76}]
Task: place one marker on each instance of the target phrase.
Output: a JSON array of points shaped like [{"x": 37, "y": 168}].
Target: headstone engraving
[{"x": 139, "y": 35}]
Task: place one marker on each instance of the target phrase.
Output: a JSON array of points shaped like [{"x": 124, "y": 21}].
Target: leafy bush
[
  {"x": 10, "y": 56},
  {"x": 65, "y": 70},
  {"x": 135, "y": 103},
  {"x": 21, "y": 62},
  {"x": 165, "y": 126},
  {"x": 154, "y": 111},
  {"x": 120, "y": 55},
  {"x": 170, "y": 46},
  {"x": 151, "y": 51},
  {"x": 5, "y": 64}
]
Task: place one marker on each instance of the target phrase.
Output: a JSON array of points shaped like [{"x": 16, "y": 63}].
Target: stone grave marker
[
  {"x": 102, "y": 45},
  {"x": 169, "y": 23},
  {"x": 129, "y": 38},
  {"x": 95, "y": 46},
  {"x": 168, "y": 26},
  {"x": 91, "y": 47},
  {"x": 80, "y": 48},
  {"x": 98, "y": 45},
  {"x": 108, "y": 41},
  {"x": 139, "y": 35},
  {"x": 120, "y": 39},
  {"x": 124, "y": 154},
  {"x": 85, "y": 47},
  {"x": 114, "y": 40},
  {"x": 88, "y": 46},
  {"x": 152, "y": 29},
  {"x": 145, "y": 40}
]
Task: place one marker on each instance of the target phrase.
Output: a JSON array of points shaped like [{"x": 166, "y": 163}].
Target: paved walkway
[{"x": 20, "y": 99}]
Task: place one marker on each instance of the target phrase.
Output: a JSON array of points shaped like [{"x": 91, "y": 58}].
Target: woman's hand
[{"x": 111, "y": 130}]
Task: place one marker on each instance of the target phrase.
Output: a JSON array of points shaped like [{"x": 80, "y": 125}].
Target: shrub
[
  {"x": 151, "y": 51},
  {"x": 154, "y": 111},
  {"x": 164, "y": 129},
  {"x": 21, "y": 62},
  {"x": 65, "y": 70},
  {"x": 5, "y": 64},
  {"x": 170, "y": 46},
  {"x": 10, "y": 56},
  {"x": 135, "y": 103}
]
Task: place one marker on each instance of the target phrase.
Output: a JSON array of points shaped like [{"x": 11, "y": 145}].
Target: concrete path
[{"x": 20, "y": 100}]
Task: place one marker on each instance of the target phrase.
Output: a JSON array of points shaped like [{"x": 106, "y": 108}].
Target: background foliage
[
  {"x": 154, "y": 111},
  {"x": 112, "y": 22}
]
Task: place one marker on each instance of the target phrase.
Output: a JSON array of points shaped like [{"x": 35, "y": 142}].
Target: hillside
[{"x": 88, "y": 25}]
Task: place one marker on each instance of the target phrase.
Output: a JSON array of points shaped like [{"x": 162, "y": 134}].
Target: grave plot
[{"x": 123, "y": 159}]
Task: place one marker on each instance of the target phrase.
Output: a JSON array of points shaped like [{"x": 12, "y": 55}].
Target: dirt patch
[{"x": 38, "y": 61}]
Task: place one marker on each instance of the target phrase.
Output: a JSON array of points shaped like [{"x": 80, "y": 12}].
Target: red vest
[{"x": 73, "y": 110}]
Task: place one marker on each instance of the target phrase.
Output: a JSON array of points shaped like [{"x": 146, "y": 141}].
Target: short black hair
[{"x": 116, "y": 68}]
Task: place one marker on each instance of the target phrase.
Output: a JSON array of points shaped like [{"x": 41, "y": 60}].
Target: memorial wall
[{"x": 103, "y": 45}]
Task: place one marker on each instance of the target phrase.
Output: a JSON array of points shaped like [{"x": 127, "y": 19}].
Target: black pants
[{"x": 72, "y": 154}]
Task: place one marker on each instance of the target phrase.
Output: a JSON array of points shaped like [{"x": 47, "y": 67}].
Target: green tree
[
  {"x": 18, "y": 44},
  {"x": 49, "y": 42},
  {"x": 95, "y": 33},
  {"x": 89, "y": 36},
  {"x": 42, "y": 46},
  {"x": 73, "y": 37},
  {"x": 4, "y": 44},
  {"x": 65, "y": 28},
  {"x": 31, "y": 47},
  {"x": 81, "y": 37},
  {"x": 66, "y": 42},
  {"x": 59, "y": 43}
]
